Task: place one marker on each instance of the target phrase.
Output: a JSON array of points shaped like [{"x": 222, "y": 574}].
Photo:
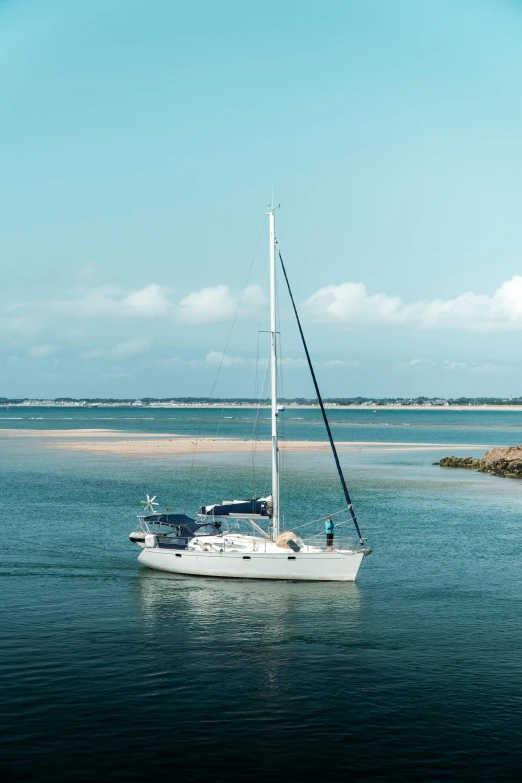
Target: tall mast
[{"x": 273, "y": 377}]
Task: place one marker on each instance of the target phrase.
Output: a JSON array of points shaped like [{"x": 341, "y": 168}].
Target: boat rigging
[{"x": 213, "y": 544}]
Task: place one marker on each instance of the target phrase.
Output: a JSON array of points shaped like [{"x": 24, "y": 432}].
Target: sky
[{"x": 140, "y": 143}]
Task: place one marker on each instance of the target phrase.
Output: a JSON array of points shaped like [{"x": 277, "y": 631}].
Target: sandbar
[
  {"x": 90, "y": 433},
  {"x": 221, "y": 446},
  {"x": 103, "y": 441}
]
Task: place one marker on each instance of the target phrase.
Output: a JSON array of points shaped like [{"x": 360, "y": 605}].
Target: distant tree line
[{"x": 375, "y": 401}]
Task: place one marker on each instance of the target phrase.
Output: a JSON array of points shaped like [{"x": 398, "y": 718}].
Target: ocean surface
[
  {"x": 426, "y": 426},
  {"x": 112, "y": 672}
]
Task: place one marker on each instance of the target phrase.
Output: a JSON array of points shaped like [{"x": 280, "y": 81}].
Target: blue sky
[{"x": 139, "y": 143}]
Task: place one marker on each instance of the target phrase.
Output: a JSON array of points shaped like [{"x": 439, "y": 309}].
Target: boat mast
[{"x": 273, "y": 377}]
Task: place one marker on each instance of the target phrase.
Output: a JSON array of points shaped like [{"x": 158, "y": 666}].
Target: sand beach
[{"x": 105, "y": 441}]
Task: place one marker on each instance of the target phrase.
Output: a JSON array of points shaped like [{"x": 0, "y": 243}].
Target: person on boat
[{"x": 329, "y": 527}]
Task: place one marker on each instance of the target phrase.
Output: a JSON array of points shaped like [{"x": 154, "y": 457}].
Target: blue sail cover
[{"x": 252, "y": 507}]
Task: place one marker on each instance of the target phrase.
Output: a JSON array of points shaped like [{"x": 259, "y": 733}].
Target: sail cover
[{"x": 254, "y": 507}]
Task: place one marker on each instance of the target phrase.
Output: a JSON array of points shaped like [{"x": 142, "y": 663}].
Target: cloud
[
  {"x": 483, "y": 368},
  {"x": 212, "y": 305},
  {"x": 206, "y": 306},
  {"x": 212, "y": 359},
  {"x": 416, "y": 364},
  {"x": 293, "y": 364},
  {"x": 341, "y": 363},
  {"x": 349, "y": 304},
  {"x": 171, "y": 361},
  {"x": 218, "y": 359},
  {"x": 42, "y": 351},
  {"x": 148, "y": 302},
  {"x": 123, "y": 350},
  {"x": 20, "y": 324}
]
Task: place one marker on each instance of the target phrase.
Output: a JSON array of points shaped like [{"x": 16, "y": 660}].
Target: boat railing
[
  {"x": 344, "y": 543},
  {"x": 309, "y": 545}
]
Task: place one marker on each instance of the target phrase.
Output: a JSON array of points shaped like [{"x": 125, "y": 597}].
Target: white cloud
[
  {"x": 456, "y": 365},
  {"x": 171, "y": 361},
  {"x": 123, "y": 350},
  {"x": 416, "y": 364},
  {"x": 206, "y": 306},
  {"x": 20, "y": 324},
  {"x": 341, "y": 363},
  {"x": 148, "y": 302},
  {"x": 483, "y": 368},
  {"x": 212, "y": 305},
  {"x": 293, "y": 364},
  {"x": 349, "y": 304},
  {"x": 42, "y": 351},
  {"x": 217, "y": 359}
]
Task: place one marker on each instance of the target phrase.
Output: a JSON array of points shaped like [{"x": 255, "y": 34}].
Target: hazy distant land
[{"x": 356, "y": 403}]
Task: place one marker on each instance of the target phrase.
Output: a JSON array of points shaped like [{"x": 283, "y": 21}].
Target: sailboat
[{"x": 242, "y": 538}]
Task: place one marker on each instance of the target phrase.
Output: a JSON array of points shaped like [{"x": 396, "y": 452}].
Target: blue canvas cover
[{"x": 254, "y": 507}]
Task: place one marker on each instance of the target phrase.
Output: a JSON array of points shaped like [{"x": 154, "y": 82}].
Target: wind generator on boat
[{"x": 209, "y": 544}]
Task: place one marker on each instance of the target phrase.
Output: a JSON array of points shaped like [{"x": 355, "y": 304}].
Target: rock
[
  {"x": 506, "y": 462},
  {"x": 460, "y": 462},
  {"x": 503, "y": 462}
]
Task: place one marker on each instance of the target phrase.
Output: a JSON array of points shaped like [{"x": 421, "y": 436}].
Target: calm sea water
[
  {"x": 428, "y": 426},
  {"x": 111, "y": 672}
]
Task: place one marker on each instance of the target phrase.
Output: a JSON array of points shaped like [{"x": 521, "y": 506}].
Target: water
[
  {"x": 427, "y": 426},
  {"x": 111, "y": 672}
]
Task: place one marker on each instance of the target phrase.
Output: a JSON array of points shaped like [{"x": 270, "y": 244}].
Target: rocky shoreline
[{"x": 498, "y": 462}]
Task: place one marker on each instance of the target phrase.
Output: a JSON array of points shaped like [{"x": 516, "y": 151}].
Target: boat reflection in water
[
  {"x": 210, "y": 622},
  {"x": 247, "y": 670}
]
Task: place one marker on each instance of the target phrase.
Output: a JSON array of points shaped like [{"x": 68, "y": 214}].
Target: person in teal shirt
[{"x": 329, "y": 527}]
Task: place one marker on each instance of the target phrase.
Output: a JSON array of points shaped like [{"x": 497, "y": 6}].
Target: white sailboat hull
[{"x": 336, "y": 566}]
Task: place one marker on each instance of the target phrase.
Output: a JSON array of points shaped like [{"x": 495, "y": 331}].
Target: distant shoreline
[{"x": 252, "y": 406}]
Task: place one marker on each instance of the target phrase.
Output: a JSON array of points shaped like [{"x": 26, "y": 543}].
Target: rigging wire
[
  {"x": 283, "y": 456},
  {"x": 320, "y": 519},
  {"x": 320, "y": 400}
]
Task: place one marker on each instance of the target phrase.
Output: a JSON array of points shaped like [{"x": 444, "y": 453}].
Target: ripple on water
[{"x": 113, "y": 672}]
